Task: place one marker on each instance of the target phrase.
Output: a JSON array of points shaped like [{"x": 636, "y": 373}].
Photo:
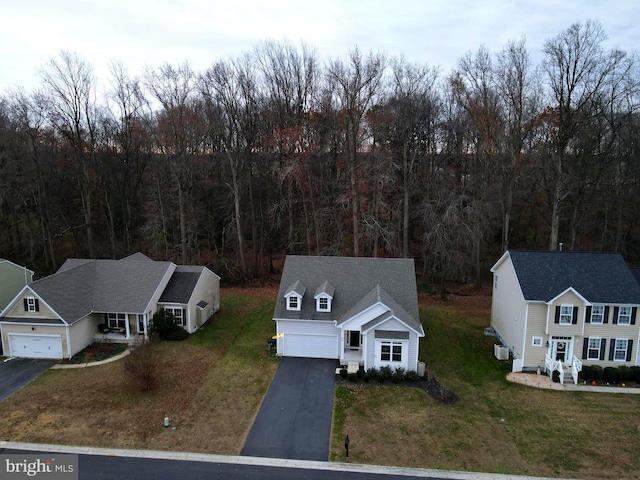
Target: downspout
[
  {"x": 67, "y": 328},
  {"x": 526, "y": 324}
]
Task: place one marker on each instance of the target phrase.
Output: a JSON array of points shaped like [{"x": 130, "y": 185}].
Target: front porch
[{"x": 116, "y": 337}]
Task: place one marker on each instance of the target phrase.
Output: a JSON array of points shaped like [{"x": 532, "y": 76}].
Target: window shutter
[
  {"x": 37, "y": 305},
  {"x": 603, "y": 345},
  {"x": 585, "y": 345},
  {"x": 587, "y": 315},
  {"x": 557, "y": 315},
  {"x": 612, "y": 347},
  {"x": 615, "y": 315},
  {"x": 629, "y": 348},
  {"x": 634, "y": 310},
  {"x": 26, "y": 305},
  {"x": 574, "y": 320},
  {"x": 606, "y": 315}
]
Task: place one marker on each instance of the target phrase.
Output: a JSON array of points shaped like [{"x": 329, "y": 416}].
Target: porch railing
[
  {"x": 576, "y": 368},
  {"x": 551, "y": 366}
]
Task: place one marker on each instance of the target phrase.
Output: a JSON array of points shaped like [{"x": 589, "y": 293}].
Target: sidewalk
[{"x": 543, "y": 381}]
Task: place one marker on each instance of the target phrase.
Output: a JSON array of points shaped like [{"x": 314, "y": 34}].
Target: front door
[
  {"x": 562, "y": 349},
  {"x": 354, "y": 339}
]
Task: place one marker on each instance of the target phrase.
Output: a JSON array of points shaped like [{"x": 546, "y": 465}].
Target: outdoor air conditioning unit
[{"x": 501, "y": 353}]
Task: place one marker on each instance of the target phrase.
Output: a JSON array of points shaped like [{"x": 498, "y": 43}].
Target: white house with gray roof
[
  {"x": 59, "y": 315},
  {"x": 351, "y": 309},
  {"x": 559, "y": 310}
]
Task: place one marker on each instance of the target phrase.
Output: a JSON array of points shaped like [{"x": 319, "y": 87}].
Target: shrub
[
  {"x": 587, "y": 373},
  {"x": 555, "y": 376},
  {"x": 142, "y": 366},
  {"x": 385, "y": 373},
  {"x": 372, "y": 373},
  {"x": 360, "y": 373},
  {"x": 635, "y": 374},
  {"x": 366, "y": 378},
  {"x": 597, "y": 372},
  {"x": 625, "y": 373},
  {"x": 353, "y": 377},
  {"x": 611, "y": 375},
  {"x": 412, "y": 376},
  {"x": 164, "y": 327},
  {"x": 343, "y": 372},
  {"x": 398, "y": 375}
]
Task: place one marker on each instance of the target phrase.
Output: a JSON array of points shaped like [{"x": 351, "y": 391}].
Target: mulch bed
[
  {"x": 430, "y": 385},
  {"x": 96, "y": 352}
]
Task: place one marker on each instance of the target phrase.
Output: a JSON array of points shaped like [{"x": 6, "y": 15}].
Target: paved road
[
  {"x": 294, "y": 420},
  {"x": 17, "y": 372},
  {"x": 107, "y": 464}
]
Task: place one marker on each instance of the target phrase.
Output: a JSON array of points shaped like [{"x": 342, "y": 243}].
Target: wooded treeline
[{"x": 276, "y": 152}]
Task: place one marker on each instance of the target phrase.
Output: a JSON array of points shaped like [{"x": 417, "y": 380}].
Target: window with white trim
[
  {"x": 293, "y": 303},
  {"x": 593, "y": 348},
  {"x": 536, "y": 341},
  {"x": 31, "y": 304},
  {"x": 391, "y": 352},
  {"x": 178, "y": 315},
  {"x": 597, "y": 314},
  {"x": 323, "y": 304},
  {"x": 624, "y": 316},
  {"x": 116, "y": 320},
  {"x": 566, "y": 314},
  {"x": 620, "y": 352}
]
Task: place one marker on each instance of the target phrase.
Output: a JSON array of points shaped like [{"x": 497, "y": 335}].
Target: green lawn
[{"x": 496, "y": 427}]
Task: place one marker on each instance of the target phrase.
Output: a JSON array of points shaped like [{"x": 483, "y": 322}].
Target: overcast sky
[{"x": 151, "y": 32}]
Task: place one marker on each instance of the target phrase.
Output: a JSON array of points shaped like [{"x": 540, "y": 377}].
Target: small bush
[
  {"x": 366, "y": 378},
  {"x": 635, "y": 374},
  {"x": 625, "y": 373},
  {"x": 555, "y": 376},
  {"x": 587, "y": 373},
  {"x": 372, "y": 373},
  {"x": 398, "y": 375},
  {"x": 360, "y": 373},
  {"x": 343, "y": 372},
  {"x": 611, "y": 375},
  {"x": 597, "y": 372},
  {"x": 353, "y": 377},
  {"x": 412, "y": 376},
  {"x": 385, "y": 372},
  {"x": 164, "y": 327},
  {"x": 142, "y": 366}
]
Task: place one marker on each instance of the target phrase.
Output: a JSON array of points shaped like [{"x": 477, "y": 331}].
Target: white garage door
[
  {"x": 310, "y": 346},
  {"x": 35, "y": 346}
]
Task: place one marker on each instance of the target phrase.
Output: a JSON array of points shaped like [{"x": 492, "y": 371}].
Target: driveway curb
[
  {"x": 65, "y": 366},
  {"x": 267, "y": 462}
]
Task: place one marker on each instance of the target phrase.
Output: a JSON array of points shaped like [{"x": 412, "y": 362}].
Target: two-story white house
[
  {"x": 352, "y": 309},
  {"x": 566, "y": 307}
]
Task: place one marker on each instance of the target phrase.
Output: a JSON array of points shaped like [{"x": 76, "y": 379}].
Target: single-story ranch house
[
  {"x": 59, "y": 315},
  {"x": 566, "y": 307},
  {"x": 351, "y": 309}
]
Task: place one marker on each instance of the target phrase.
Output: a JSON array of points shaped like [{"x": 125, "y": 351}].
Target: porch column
[
  {"x": 145, "y": 319},
  {"x": 126, "y": 327}
]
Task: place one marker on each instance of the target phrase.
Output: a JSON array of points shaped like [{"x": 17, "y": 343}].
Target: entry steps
[{"x": 352, "y": 367}]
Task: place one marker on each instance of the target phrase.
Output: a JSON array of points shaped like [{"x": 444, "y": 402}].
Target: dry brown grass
[
  {"x": 210, "y": 386},
  {"x": 497, "y": 426}
]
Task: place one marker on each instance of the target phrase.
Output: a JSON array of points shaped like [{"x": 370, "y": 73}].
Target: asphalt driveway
[
  {"x": 294, "y": 420},
  {"x": 17, "y": 372}
]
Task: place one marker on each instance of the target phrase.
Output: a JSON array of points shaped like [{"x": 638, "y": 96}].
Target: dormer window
[
  {"x": 293, "y": 303},
  {"x": 324, "y": 296},
  {"x": 293, "y": 296}
]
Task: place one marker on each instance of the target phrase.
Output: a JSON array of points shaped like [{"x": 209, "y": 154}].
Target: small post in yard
[{"x": 346, "y": 445}]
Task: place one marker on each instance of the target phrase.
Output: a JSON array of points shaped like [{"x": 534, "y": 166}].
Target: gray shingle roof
[
  {"x": 599, "y": 277},
  {"x": 354, "y": 280},
  {"x": 181, "y": 285},
  {"x": 82, "y": 286}
]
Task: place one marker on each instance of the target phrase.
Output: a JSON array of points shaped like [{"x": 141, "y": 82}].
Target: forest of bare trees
[{"x": 278, "y": 152}]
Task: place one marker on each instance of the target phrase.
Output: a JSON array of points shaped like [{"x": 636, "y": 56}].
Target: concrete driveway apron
[
  {"x": 17, "y": 372},
  {"x": 294, "y": 420}
]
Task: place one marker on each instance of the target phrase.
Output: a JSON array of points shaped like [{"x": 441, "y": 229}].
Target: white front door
[{"x": 562, "y": 349}]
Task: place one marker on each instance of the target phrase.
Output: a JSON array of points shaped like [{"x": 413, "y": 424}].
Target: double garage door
[
  {"x": 310, "y": 345},
  {"x": 35, "y": 346}
]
